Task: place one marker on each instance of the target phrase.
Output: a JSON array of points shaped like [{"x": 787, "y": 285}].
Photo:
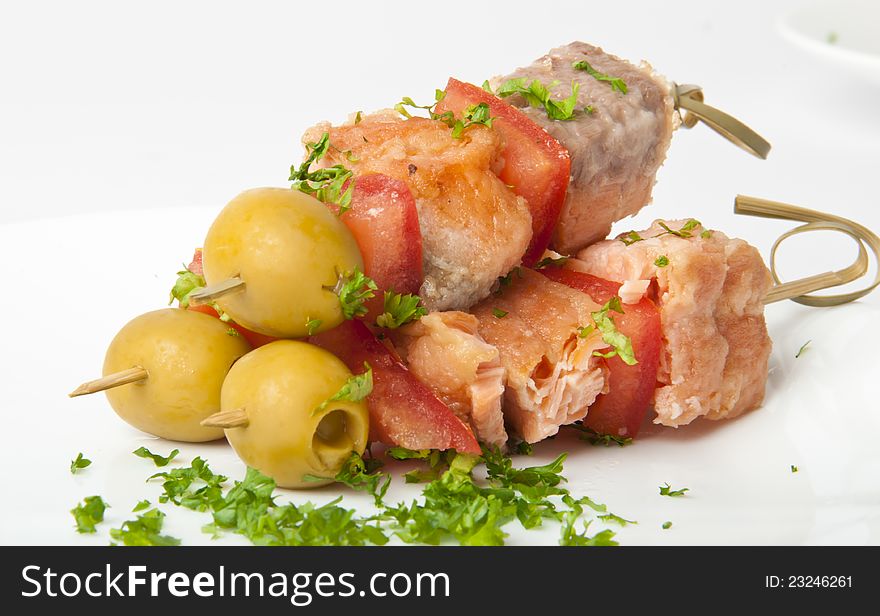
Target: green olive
[
  {"x": 289, "y": 436},
  {"x": 186, "y": 355},
  {"x": 289, "y": 249}
]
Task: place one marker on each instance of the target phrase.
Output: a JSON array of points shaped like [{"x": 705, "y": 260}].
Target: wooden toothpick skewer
[
  {"x": 216, "y": 291},
  {"x": 798, "y": 290},
  {"x": 236, "y": 418},
  {"x": 124, "y": 377}
]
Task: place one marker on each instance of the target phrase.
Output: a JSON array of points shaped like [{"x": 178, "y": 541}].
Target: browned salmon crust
[
  {"x": 474, "y": 228},
  {"x": 615, "y": 151},
  {"x": 710, "y": 295},
  {"x": 552, "y": 374},
  {"x": 444, "y": 350}
]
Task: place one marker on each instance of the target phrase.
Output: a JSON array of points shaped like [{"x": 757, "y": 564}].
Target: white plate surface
[{"x": 71, "y": 283}]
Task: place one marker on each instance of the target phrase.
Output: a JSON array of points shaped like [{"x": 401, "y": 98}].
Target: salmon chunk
[
  {"x": 616, "y": 148},
  {"x": 474, "y": 228},
  {"x": 710, "y": 290},
  {"x": 552, "y": 374},
  {"x": 444, "y": 350}
]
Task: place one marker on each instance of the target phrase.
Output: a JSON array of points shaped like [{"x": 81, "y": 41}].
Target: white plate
[
  {"x": 843, "y": 32},
  {"x": 71, "y": 283}
]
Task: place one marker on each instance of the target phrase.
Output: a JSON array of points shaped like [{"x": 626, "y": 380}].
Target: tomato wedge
[
  {"x": 385, "y": 223},
  {"x": 403, "y": 411},
  {"x": 535, "y": 164},
  {"x": 621, "y": 411}
]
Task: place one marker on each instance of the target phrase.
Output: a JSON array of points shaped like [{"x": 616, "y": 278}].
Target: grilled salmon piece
[
  {"x": 474, "y": 228},
  {"x": 552, "y": 374},
  {"x": 444, "y": 350},
  {"x": 615, "y": 150},
  {"x": 710, "y": 294}
]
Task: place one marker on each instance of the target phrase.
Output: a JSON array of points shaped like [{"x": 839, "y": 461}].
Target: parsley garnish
[
  {"x": 498, "y": 313},
  {"x": 186, "y": 284},
  {"x": 355, "y": 389},
  {"x": 594, "y": 438},
  {"x": 78, "y": 463},
  {"x": 802, "y": 349},
  {"x": 353, "y": 290},
  {"x": 666, "y": 490},
  {"x": 329, "y": 185},
  {"x": 661, "y": 261},
  {"x": 794, "y": 469},
  {"x": 362, "y": 474},
  {"x": 524, "y": 448},
  {"x": 570, "y": 537},
  {"x": 507, "y": 279},
  {"x": 616, "y": 83},
  {"x": 400, "y": 310},
  {"x": 436, "y": 460},
  {"x": 89, "y": 513},
  {"x": 620, "y": 343},
  {"x": 537, "y": 95},
  {"x": 144, "y": 504},
  {"x": 232, "y": 332},
  {"x": 312, "y": 326},
  {"x": 613, "y": 517},
  {"x": 706, "y": 234},
  {"x": 143, "y": 452},
  {"x": 631, "y": 237},
  {"x": 179, "y": 482},
  {"x": 667, "y": 525},
  {"x": 144, "y": 530},
  {"x": 474, "y": 114},
  {"x": 685, "y": 230},
  {"x": 546, "y": 261}
]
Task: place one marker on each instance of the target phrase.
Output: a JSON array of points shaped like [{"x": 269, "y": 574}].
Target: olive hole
[{"x": 331, "y": 441}]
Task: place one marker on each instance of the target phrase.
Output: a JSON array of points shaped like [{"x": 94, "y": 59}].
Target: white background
[{"x": 110, "y": 109}]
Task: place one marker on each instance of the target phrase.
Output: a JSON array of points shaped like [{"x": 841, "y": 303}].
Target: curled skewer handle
[
  {"x": 690, "y": 98},
  {"x": 798, "y": 290}
]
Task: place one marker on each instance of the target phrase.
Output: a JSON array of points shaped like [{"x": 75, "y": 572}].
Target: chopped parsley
[
  {"x": 89, "y": 513},
  {"x": 143, "y": 452},
  {"x": 616, "y": 83},
  {"x": 362, "y": 474},
  {"x": 685, "y": 231},
  {"x": 78, "y": 463},
  {"x": 507, "y": 280},
  {"x": 232, "y": 332},
  {"x": 802, "y": 349},
  {"x": 186, "y": 284},
  {"x": 498, "y": 313},
  {"x": 661, "y": 261},
  {"x": 144, "y": 530},
  {"x": 144, "y": 504},
  {"x": 330, "y": 185},
  {"x": 353, "y": 290},
  {"x": 630, "y": 237},
  {"x": 473, "y": 115},
  {"x": 794, "y": 469},
  {"x": 437, "y": 462},
  {"x": 706, "y": 234},
  {"x": 179, "y": 483},
  {"x": 613, "y": 517},
  {"x": 619, "y": 342},
  {"x": 570, "y": 536},
  {"x": 312, "y": 326},
  {"x": 667, "y": 525},
  {"x": 537, "y": 95},
  {"x": 547, "y": 261},
  {"x": 355, "y": 389},
  {"x": 666, "y": 490},
  {"x": 524, "y": 448},
  {"x": 594, "y": 438},
  {"x": 400, "y": 309}
]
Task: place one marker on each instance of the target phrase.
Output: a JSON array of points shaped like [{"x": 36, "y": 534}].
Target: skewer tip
[{"x": 236, "y": 418}]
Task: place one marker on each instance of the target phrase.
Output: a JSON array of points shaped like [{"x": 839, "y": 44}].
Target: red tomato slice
[
  {"x": 535, "y": 164},
  {"x": 403, "y": 411},
  {"x": 621, "y": 411},
  {"x": 385, "y": 223},
  {"x": 255, "y": 339}
]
